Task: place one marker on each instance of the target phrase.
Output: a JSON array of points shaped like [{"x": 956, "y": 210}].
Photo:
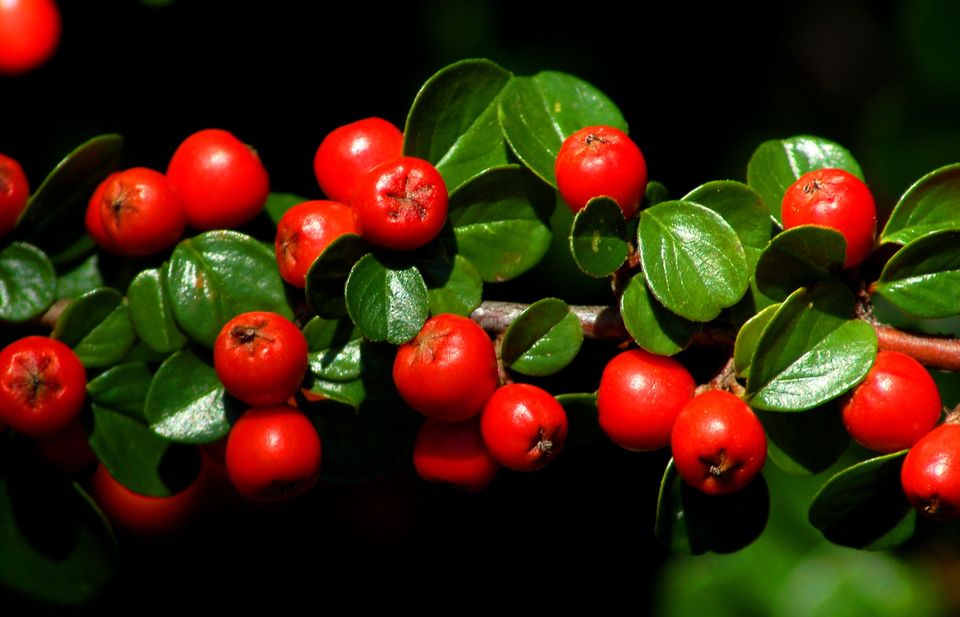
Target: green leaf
[
  {"x": 922, "y": 278},
  {"x": 929, "y": 205},
  {"x": 655, "y": 193},
  {"x": 278, "y": 203},
  {"x": 327, "y": 276},
  {"x": 501, "y": 222},
  {"x": 323, "y": 334},
  {"x": 453, "y": 121},
  {"x": 122, "y": 388},
  {"x": 584, "y": 432},
  {"x": 543, "y": 339},
  {"x": 187, "y": 403},
  {"x": 692, "y": 522},
  {"x": 537, "y": 113},
  {"x": 28, "y": 282},
  {"x": 798, "y": 257},
  {"x": 742, "y": 208},
  {"x": 805, "y": 443},
  {"x": 777, "y": 164},
  {"x": 351, "y": 392},
  {"x": 337, "y": 363},
  {"x": 387, "y": 301},
  {"x": 80, "y": 278},
  {"x": 151, "y": 312},
  {"x": 652, "y": 326},
  {"x": 453, "y": 284},
  {"x": 864, "y": 506},
  {"x": 748, "y": 337},
  {"x": 693, "y": 261},
  {"x": 810, "y": 352},
  {"x": 598, "y": 239},
  {"x": 217, "y": 275},
  {"x": 140, "y": 459},
  {"x": 97, "y": 326}
]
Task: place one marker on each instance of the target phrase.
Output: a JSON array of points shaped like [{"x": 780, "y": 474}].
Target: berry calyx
[
  {"x": 14, "y": 192},
  {"x": 304, "y": 231},
  {"x": 930, "y": 474},
  {"x": 348, "y": 152},
  {"x": 454, "y": 453},
  {"x": 523, "y": 426}
]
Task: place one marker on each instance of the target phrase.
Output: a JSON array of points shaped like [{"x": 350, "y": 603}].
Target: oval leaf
[
  {"x": 543, "y": 339},
  {"x": 453, "y": 285},
  {"x": 327, "y": 276},
  {"x": 747, "y": 338},
  {"x": 80, "y": 278},
  {"x": 218, "y": 275},
  {"x": 929, "y": 205},
  {"x": 777, "y": 164},
  {"x": 28, "y": 282},
  {"x": 97, "y": 326},
  {"x": 798, "y": 257},
  {"x": 537, "y": 113},
  {"x": 598, "y": 239},
  {"x": 810, "y": 352},
  {"x": 453, "y": 121},
  {"x": 388, "y": 302},
  {"x": 323, "y": 334},
  {"x": 501, "y": 222},
  {"x": 122, "y": 388},
  {"x": 742, "y": 208},
  {"x": 584, "y": 432},
  {"x": 351, "y": 393},
  {"x": 864, "y": 506},
  {"x": 805, "y": 443},
  {"x": 652, "y": 326},
  {"x": 693, "y": 261},
  {"x": 187, "y": 403},
  {"x": 278, "y": 203},
  {"x": 923, "y": 278},
  {"x": 151, "y": 312}
]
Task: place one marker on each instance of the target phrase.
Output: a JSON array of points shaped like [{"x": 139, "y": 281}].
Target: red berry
[
  {"x": 836, "y": 199},
  {"x": 449, "y": 370},
  {"x": 523, "y": 426},
  {"x": 930, "y": 475},
  {"x": 718, "y": 443},
  {"x": 42, "y": 386},
  {"x": 454, "y": 452},
  {"x": 221, "y": 180},
  {"x": 260, "y": 358},
  {"x": 895, "y": 405},
  {"x": 92, "y": 219},
  {"x": 304, "y": 231},
  {"x": 639, "y": 398},
  {"x": 14, "y": 189},
  {"x": 273, "y": 453},
  {"x": 601, "y": 161},
  {"x": 350, "y": 151},
  {"x": 141, "y": 213},
  {"x": 29, "y": 34},
  {"x": 401, "y": 204},
  {"x": 68, "y": 449}
]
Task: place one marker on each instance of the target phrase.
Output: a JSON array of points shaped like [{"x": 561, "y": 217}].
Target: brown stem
[{"x": 935, "y": 352}]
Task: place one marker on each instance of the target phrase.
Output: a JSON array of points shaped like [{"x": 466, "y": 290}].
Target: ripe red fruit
[
  {"x": 42, "y": 386},
  {"x": 141, "y": 213},
  {"x": 930, "y": 475},
  {"x": 894, "y": 406},
  {"x": 400, "y": 204},
  {"x": 601, "y": 161},
  {"x": 454, "y": 453},
  {"x": 14, "y": 190},
  {"x": 449, "y": 370},
  {"x": 639, "y": 398},
  {"x": 29, "y": 34},
  {"x": 836, "y": 199},
  {"x": 92, "y": 219},
  {"x": 350, "y": 151},
  {"x": 260, "y": 357},
  {"x": 718, "y": 443},
  {"x": 221, "y": 180},
  {"x": 523, "y": 426},
  {"x": 273, "y": 453},
  {"x": 304, "y": 231}
]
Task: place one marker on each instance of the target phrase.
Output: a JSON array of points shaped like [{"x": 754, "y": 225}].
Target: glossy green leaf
[
  {"x": 776, "y": 164},
  {"x": 187, "y": 403},
  {"x": 278, "y": 203},
  {"x": 748, "y": 337},
  {"x": 798, "y": 257},
  {"x": 122, "y": 388},
  {"x": 327, "y": 276},
  {"x": 598, "y": 239},
  {"x": 388, "y": 302},
  {"x": 929, "y": 205},
  {"x": 655, "y": 193},
  {"x": 693, "y": 261},
  {"x": 742, "y": 208},
  {"x": 337, "y": 363},
  {"x": 453, "y": 121},
  {"x": 537, "y": 113},
  {"x": 652, "y": 326},
  {"x": 151, "y": 312},
  {"x": 453, "y": 284},
  {"x": 140, "y": 459},
  {"x": 923, "y": 278},
  {"x": 97, "y": 326},
  {"x": 80, "y": 278},
  {"x": 218, "y": 275},
  {"x": 864, "y": 506},
  {"x": 28, "y": 282},
  {"x": 543, "y": 339},
  {"x": 805, "y": 443},
  {"x": 323, "y": 334},
  {"x": 584, "y": 431},
  {"x": 501, "y": 222},
  {"x": 352, "y": 392},
  {"x": 692, "y": 522},
  {"x": 810, "y": 352}
]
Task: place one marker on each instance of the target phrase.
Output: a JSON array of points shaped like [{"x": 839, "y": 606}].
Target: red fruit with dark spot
[
  {"x": 454, "y": 453},
  {"x": 930, "y": 475},
  {"x": 141, "y": 212},
  {"x": 304, "y": 231},
  {"x": 29, "y": 34},
  {"x": 14, "y": 192},
  {"x": 523, "y": 426},
  {"x": 350, "y": 151}
]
